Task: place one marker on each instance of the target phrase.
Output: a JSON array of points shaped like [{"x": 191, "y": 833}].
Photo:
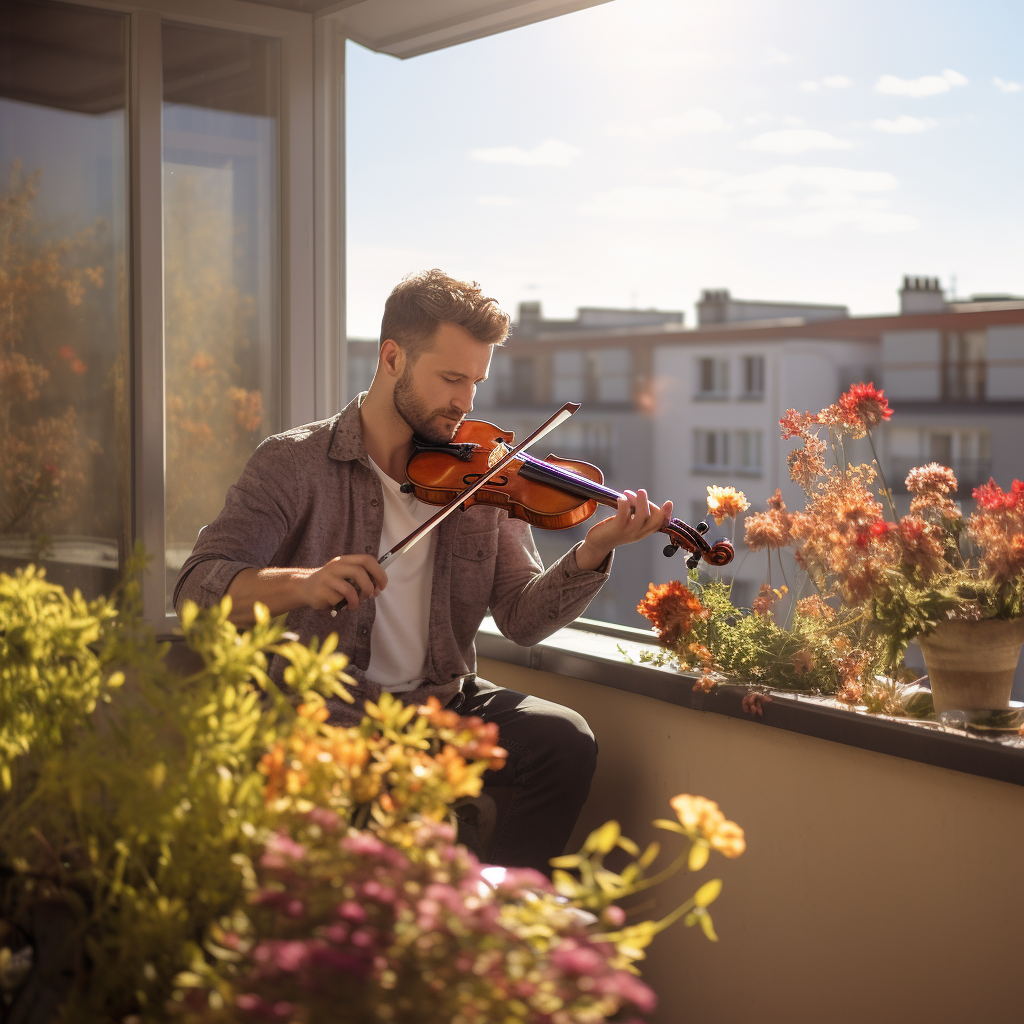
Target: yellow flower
[{"x": 726, "y": 503}]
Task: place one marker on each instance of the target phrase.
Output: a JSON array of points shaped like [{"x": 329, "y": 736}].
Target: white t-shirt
[{"x": 398, "y": 643}]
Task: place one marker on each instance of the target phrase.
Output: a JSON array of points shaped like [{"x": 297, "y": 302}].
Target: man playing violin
[{"x": 302, "y": 529}]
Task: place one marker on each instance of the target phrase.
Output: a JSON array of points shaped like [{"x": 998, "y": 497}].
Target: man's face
[{"x": 435, "y": 393}]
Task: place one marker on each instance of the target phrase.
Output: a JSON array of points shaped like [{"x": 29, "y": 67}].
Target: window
[
  {"x": 748, "y": 446},
  {"x": 753, "y": 377},
  {"x": 712, "y": 378},
  {"x": 65, "y": 362},
  {"x": 222, "y": 327},
  {"x": 964, "y": 366},
  {"x": 710, "y": 449},
  {"x": 967, "y": 452}
]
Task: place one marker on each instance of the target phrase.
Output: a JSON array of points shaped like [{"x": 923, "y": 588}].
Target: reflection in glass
[
  {"x": 63, "y": 292},
  {"x": 221, "y": 310}
]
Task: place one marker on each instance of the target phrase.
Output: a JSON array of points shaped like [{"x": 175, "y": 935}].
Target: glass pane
[
  {"x": 221, "y": 280},
  {"x": 64, "y": 356}
]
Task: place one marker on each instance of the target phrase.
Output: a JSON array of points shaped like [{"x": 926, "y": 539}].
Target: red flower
[
  {"x": 991, "y": 497},
  {"x": 865, "y": 404},
  {"x": 880, "y": 529}
]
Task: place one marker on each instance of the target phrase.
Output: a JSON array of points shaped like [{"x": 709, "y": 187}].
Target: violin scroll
[{"x": 692, "y": 539}]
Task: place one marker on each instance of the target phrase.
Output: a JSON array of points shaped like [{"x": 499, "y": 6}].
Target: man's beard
[{"x": 422, "y": 420}]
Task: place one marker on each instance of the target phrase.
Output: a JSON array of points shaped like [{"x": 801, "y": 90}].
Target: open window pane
[
  {"x": 222, "y": 333},
  {"x": 64, "y": 365}
]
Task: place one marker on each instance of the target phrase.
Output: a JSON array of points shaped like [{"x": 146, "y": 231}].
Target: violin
[{"x": 551, "y": 493}]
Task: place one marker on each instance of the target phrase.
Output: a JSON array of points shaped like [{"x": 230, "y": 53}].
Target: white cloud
[
  {"x": 904, "y": 125},
  {"x": 816, "y": 200},
  {"x": 497, "y": 201},
  {"x": 828, "y": 82},
  {"x": 926, "y": 85},
  {"x": 825, "y": 221},
  {"x": 696, "y": 121},
  {"x": 1004, "y": 86},
  {"x": 776, "y": 57},
  {"x": 797, "y": 140},
  {"x": 550, "y": 153}
]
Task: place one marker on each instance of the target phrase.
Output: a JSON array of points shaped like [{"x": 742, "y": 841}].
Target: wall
[
  {"x": 873, "y": 889},
  {"x": 911, "y": 364},
  {"x": 1006, "y": 362}
]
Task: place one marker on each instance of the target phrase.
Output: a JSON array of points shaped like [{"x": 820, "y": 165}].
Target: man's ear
[{"x": 392, "y": 357}]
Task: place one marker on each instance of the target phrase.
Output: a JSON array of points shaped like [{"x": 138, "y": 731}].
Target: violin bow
[{"x": 443, "y": 513}]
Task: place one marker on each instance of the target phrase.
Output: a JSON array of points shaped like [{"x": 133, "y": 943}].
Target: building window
[
  {"x": 710, "y": 449},
  {"x": 753, "y": 377},
  {"x": 712, "y": 378},
  {"x": 963, "y": 366},
  {"x": 748, "y": 448}
]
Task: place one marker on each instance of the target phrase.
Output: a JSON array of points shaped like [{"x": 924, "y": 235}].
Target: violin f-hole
[{"x": 498, "y": 481}]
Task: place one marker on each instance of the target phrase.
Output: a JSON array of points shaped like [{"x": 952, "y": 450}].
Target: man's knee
[{"x": 565, "y": 737}]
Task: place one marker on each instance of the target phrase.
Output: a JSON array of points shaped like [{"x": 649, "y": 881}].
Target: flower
[
  {"x": 766, "y": 598},
  {"x": 992, "y": 498},
  {"x": 866, "y": 405},
  {"x": 804, "y": 661},
  {"x": 921, "y": 545},
  {"x": 766, "y": 530},
  {"x": 931, "y": 479},
  {"x": 815, "y": 608},
  {"x": 702, "y": 820},
  {"x": 671, "y": 608},
  {"x": 726, "y": 502},
  {"x": 797, "y": 424},
  {"x": 807, "y": 463}
]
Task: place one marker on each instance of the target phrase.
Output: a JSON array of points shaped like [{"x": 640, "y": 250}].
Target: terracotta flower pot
[{"x": 971, "y": 664}]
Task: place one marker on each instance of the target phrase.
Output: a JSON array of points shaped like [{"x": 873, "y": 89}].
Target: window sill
[
  {"x": 710, "y": 396},
  {"x": 589, "y": 651}
]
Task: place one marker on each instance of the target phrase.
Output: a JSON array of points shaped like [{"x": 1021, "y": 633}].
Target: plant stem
[{"x": 881, "y": 476}]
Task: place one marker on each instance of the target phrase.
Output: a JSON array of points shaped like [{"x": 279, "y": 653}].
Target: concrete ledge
[{"x": 589, "y": 651}]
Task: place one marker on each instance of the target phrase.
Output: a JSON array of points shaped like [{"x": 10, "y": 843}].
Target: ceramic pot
[{"x": 971, "y": 664}]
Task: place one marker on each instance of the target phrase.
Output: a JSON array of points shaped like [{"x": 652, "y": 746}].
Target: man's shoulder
[{"x": 307, "y": 442}]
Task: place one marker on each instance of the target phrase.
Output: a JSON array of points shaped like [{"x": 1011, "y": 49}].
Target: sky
[{"x": 635, "y": 153}]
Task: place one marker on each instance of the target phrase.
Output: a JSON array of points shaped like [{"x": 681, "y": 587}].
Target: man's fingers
[{"x": 374, "y": 568}]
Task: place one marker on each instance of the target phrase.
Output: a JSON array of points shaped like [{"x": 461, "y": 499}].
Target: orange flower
[
  {"x": 671, "y": 608},
  {"x": 815, "y": 608},
  {"x": 703, "y": 820}
]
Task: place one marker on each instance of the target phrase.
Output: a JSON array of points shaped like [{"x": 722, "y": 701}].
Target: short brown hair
[{"x": 421, "y": 302}]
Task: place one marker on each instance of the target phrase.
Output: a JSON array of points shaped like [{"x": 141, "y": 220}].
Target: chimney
[
  {"x": 713, "y": 307},
  {"x": 921, "y": 295}
]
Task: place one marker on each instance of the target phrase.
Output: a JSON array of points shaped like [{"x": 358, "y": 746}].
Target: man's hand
[
  {"x": 634, "y": 519},
  {"x": 349, "y": 578}
]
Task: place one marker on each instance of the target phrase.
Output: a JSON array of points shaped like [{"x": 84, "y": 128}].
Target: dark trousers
[{"x": 541, "y": 790}]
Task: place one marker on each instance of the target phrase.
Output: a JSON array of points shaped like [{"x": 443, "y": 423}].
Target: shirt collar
[{"x": 348, "y": 434}]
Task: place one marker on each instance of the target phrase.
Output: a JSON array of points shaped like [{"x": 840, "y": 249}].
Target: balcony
[{"x": 874, "y": 846}]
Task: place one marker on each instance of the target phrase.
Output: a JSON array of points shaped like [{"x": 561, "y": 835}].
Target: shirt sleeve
[
  {"x": 529, "y": 602},
  {"x": 248, "y": 532}
]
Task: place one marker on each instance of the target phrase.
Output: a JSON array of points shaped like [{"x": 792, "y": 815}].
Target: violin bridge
[{"x": 498, "y": 452}]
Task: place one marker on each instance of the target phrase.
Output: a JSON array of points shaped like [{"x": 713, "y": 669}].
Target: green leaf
[
  {"x": 669, "y": 826},
  {"x": 603, "y": 840},
  {"x": 709, "y": 929},
  {"x": 708, "y": 893},
  {"x": 698, "y": 855},
  {"x": 569, "y": 861}
]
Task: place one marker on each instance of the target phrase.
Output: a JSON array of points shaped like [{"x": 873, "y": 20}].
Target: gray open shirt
[{"x": 309, "y": 494}]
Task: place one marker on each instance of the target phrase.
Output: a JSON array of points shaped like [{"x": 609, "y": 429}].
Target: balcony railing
[{"x": 970, "y": 473}]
